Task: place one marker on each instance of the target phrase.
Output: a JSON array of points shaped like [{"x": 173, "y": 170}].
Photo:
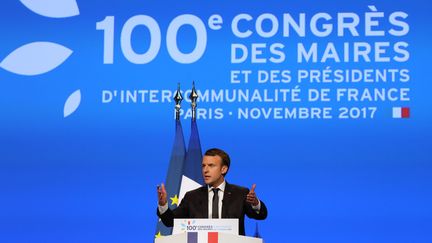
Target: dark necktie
[{"x": 215, "y": 207}]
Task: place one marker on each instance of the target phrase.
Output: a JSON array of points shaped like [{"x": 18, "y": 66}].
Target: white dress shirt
[{"x": 210, "y": 198}]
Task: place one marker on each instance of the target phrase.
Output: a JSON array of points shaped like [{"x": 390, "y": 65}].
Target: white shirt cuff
[
  {"x": 257, "y": 208},
  {"x": 163, "y": 209}
]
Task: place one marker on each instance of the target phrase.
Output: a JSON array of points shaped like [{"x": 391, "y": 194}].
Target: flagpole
[
  {"x": 178, "y": 99},
  {"x": 193, "y": 97}
]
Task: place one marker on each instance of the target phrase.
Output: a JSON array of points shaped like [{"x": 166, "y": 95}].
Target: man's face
[{"x": 212, "y": 170}]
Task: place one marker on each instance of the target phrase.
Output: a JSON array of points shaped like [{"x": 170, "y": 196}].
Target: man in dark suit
[{"x": 217, "y": 199}]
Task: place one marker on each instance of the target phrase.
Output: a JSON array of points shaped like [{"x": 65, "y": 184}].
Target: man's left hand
[{"x": 251, "y": 197}]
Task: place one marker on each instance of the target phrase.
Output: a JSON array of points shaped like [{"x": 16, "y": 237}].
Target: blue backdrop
[{"x": 80, "y": 163}]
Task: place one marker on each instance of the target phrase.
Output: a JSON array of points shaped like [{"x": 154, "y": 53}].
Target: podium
[
  {"x": 206, "y": 231},
  {"x": 206, "y": 237}
]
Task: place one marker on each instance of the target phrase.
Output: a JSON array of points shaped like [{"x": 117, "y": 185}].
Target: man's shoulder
[
  {"x": 197, "y": 191},
  {"x": 236, "y": 188}
]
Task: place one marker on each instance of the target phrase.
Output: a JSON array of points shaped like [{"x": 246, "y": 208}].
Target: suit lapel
[
  {"x": 226, "y": 200},
  {"x": 204, "y": 202}
]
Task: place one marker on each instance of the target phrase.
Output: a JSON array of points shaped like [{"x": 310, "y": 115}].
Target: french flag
[
  {"x": 401, "y": 112},
  {"x": 210, "y": 237},
  {"x": 192, "y": 174}
]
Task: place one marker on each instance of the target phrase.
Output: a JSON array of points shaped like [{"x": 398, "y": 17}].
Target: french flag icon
[
  {"x": 401, "y": 112},
  {"x": 210, "y": 237}
]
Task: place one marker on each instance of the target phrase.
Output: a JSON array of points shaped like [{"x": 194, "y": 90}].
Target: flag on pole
[
  {"x": 192, "y": 175},
  {"x": 174, "y": 176}
]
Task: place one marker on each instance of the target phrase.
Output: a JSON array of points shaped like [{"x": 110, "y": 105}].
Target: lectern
[
  {"x": 206, "y": 231},
  {"x": 206, "y": 237}
]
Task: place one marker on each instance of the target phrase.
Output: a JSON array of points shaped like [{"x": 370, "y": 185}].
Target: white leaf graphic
[
  {"x": 53, "y": 8},
  {"x": 72, "y": 103},
  {"x": 35, "y": 58}
]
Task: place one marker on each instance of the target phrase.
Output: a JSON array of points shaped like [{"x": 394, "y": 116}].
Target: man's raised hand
[
  {"x": 251, "y": 196},
  {"x": 162, "y": 195}
]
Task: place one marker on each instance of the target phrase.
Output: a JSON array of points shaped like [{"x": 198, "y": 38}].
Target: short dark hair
[{"x": 222, "y": 154}]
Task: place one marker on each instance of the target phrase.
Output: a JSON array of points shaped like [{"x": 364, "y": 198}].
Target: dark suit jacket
[{"x": 234, "y": 205}]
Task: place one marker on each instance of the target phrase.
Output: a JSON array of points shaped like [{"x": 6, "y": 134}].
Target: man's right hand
[{"x": 162, "y": 195}]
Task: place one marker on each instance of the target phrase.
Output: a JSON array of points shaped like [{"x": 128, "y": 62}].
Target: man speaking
[{"x": 217, "y": 199}]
